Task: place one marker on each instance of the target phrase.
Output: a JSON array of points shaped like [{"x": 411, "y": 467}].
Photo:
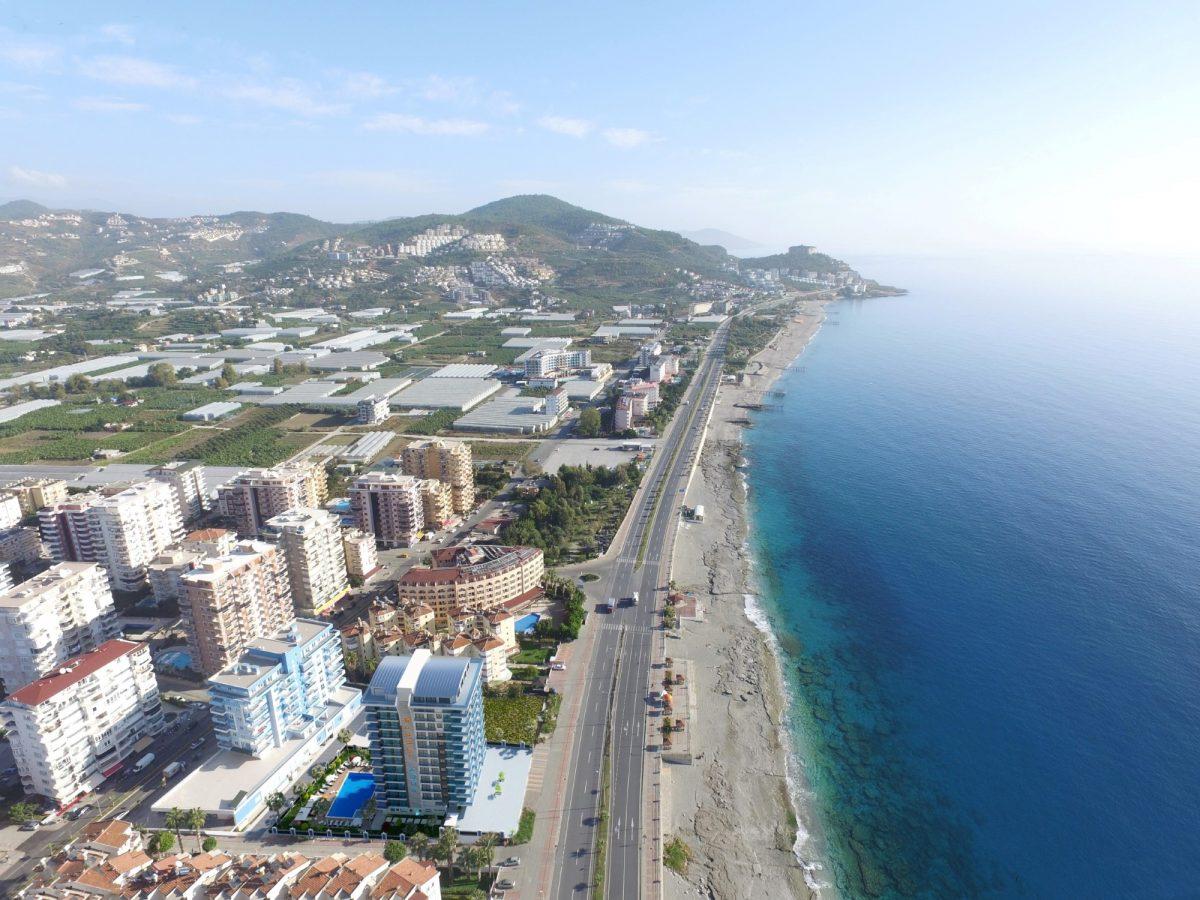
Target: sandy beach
[{"x": 734, "y": 806}]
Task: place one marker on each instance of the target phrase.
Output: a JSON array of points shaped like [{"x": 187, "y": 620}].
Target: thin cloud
[
  {"x": 576, "y": 128},
  {"x": 132, "y": 70},
  {"x": 26, "y": 54},
  {"x": 365, "y": 85},
  {"x": 288, "y": 95},
  {"x": 418, "y": 125},
  {"x": 121, "y": 34},
  {"x": 626, "y": 137},
  {"x": 183, "y": 119},
  {"x": 36, "y": 179},
  {"x": 108, "y": 104}
]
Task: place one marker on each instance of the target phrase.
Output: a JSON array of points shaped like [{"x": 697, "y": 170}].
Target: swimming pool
[
  {"x": 526, "y": 624},
  {"x": 178, "y": 659},
  {"x": 352, "y": 796}
]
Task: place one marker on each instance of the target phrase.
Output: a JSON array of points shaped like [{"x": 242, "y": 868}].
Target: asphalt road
[
  {"x": 619, "y": 677},
  {"x": 124, "y": 794}
]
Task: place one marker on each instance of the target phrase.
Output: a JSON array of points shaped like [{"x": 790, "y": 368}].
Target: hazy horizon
[{"x": 925, "y": 129}]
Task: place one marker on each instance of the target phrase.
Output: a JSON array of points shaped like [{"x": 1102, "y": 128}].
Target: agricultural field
[{"x": 500, "y": 451}]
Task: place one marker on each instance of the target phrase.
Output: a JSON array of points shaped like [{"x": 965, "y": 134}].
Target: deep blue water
[
  {"x": 976, "y": 516},
  {"x": 356, "y": 789}
]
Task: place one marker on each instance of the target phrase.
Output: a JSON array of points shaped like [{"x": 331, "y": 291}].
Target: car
[
  {"x": 196, "y": 744},
  {"x": 80, "y": 811},
  {"x": 30, "y": 826},
  {"x": 558, "y": 666},
  {"x": 506, "y": 884},
  {"x": 512, "y": 861}
]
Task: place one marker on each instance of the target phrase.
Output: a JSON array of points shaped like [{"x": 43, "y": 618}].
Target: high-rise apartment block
[
  {"x": 311, "y": 541},
  {"x": 34, "y": 493},
  {"x": 65, "y": 611},
  {"x": 447, "y": 461},
  {"x": 279, "y": 689},
  {"x": 260, "y": 494},
  {"x": 230, "y": 600},
  {"x": 482, "y": 577},
  {"x": 425, "y": 721},
  {"x": 168, "y": 568},
  {"x": 186, "y": 478},
  {"x": 73, "y": 729},
  {"x": 122, "y": 528},
  {"x": 362, "y": 560},
  {"x": 389, "y": 507},
  {"x": 437, "y": 503}
]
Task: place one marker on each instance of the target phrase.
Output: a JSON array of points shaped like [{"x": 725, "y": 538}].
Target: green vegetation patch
[
  {"x": 524, "y": 831},
  {"x": 512, "y": 719},
  {"x": 676, "y": 855},
  {"x": 256, "y": 441}
]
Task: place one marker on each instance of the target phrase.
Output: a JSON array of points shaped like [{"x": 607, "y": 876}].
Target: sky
[{"x": 861, "y": 128}]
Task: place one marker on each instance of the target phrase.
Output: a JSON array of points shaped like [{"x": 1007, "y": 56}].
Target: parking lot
[{"x": 553, "y": 455}]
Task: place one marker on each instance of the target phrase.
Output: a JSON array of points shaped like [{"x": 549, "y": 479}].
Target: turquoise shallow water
[{"x": 975, "y": 516}]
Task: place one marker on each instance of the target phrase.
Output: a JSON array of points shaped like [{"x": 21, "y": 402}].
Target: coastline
[{"x": 741, "y": 806}]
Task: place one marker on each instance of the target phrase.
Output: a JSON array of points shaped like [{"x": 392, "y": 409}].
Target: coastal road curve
[{"x": 618, "y": 706}]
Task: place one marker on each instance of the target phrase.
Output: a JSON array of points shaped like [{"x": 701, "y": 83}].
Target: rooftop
[{"x": 72, "y": 672}]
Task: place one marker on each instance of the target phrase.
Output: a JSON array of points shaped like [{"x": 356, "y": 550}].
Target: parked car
[
  {"x": 79, "y": 811},
  {"x": 558, "y": 666},
  {"x": 512, "y": 861},
  {"x": 196, "y": 744},
  {"x": 506, "y": 884},
  {"x": 30, "y": 826}
]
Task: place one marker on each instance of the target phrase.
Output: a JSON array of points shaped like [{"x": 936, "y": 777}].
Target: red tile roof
[{"x": 72, "y": 672}]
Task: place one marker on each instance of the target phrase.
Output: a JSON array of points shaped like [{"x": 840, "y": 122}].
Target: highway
[{"x": 619, "y": 676}]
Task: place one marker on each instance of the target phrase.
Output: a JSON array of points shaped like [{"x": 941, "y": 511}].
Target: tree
[
  {"x": 195, "y": 819},
  {"x": 344, "y": 736},
  {"x": 161, "y": 375},
  {"x": 589, "y": 422},
  {"x": 447, "y": 845},
  {"x": 418, "y": 844},
  {"x": 394, "y": 851},
  {"x": 229, "y": 373},
  {"x": 485, "y": 851},
  {"x": 78, "y": 384},
  {"x": 276, "y": 801},
  {"x": 210, "y": 844},
  {"x": 161, "y": 843},
  {"x": 22, "y": 811},
  {"x": 176, "y": 819},
  {"x": 469, "y": 859}
]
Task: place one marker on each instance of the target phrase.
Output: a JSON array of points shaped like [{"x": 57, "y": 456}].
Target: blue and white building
[
  {"x": 278, "y": 689},
  {"x": 425, "y": 722}
]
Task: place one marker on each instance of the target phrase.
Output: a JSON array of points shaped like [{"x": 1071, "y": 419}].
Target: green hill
[
  {"x": 21, "y": 209},
  {"x": 798, "y": 257},
  {"x": 541, "y": 211}
]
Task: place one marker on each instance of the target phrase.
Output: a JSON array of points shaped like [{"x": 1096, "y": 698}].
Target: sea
[{"x": 975, "y": 522}]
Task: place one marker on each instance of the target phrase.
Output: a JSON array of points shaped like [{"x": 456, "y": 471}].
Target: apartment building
[
  {"x": 65, "y": 611},
  {"x": 10, "y": 511},
  {"x": 21, "y": 546},
  {"x": 447, "y": 461},
  {"x": 165, "y": 571},
  {"x": 437, "y": 503},
  {"x": 372, "y": 411},
  {"x": 311, "y": 541},
  {"x": 389, "y": 507},
  {"x": 279, "y": 689},
  {"x": 34, "y": 493},
  {"x": 362, "y": 559},
  {"x": 550, "y": 361},
  {"x": 425, "y": 722},
  {"x": 483, "y": 577},
  {"x": 73, "y": 729},
  {"x": 648, "y": 353},
  {"x": 260, "y": 494},
  {"x": 227, "y": 601},
  {"x": 122, "y": 528},
  {"x": 186, "y": 478}
]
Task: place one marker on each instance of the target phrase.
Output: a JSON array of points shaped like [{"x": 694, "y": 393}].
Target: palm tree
[
  {"x": 276, "y": 801},
  {"x": 419, "y": 845},
  {"x": 470, "y": 858},
  {"x": 446, "y": 846},
  {"x": 344, "y": 736},
  {"x": 486, "y": 850},
  {"x": 22, "y": 811},
  {"x": 176, "y": 819},
  {"x": 195, "y": 821}
]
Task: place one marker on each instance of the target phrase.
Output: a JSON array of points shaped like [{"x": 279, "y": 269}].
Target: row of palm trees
[
  {"x": 178, "y": 819},
  {"x": 477, "y": 856}
]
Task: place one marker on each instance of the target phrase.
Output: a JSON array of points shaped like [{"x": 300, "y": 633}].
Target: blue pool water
[
  {"x": 352, "y": 796},
  {"x": 180, "y": 659},
  {"x": 526, "y": 624},
  {"x": 976, "y": 521}
]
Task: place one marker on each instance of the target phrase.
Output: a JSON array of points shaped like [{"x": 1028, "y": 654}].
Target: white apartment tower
[
  {"x": 362, "y": 559},
  {"x": 229, "y": 600},
  {"x": 72, "y": 729},
  {"x": 311, "y": 541},
  {"x": 389, "y": 507},
  {"x": 260, "y": 494},
  {"x": 65, "y": 611},
  {"x": 186, "y": 478},
  {"x": 123, "y": 529}
]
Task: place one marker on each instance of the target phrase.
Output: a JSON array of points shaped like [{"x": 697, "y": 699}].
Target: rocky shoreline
[{"x": 740, "y": 805}]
